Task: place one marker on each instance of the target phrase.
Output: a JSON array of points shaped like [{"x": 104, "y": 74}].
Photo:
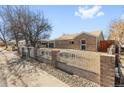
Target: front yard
[{"x": 29, "y": 73}]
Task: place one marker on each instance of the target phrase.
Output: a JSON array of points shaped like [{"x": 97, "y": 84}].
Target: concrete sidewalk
[{"x": 24, "y": 75}]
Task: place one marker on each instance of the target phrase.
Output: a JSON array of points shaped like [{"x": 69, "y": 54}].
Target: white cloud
[
  {"x": 100, "y": 14},
  {"x": 88, "y": 13}
]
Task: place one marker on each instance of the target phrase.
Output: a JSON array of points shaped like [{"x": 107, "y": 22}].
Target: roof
[
  {"x": 68, "y": 36},
  {"x": 43, "y": 40},
  {"x": 95, "y": 33},
  {"x": 72, "y": 36}
]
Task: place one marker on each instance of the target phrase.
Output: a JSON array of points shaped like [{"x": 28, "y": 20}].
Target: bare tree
[
  {"x": 40, "y": 29},
  {"x": 34, "y": 26},
  {"x": 117, "y": 31},
  {"x": 24, "y": 23},
  {"x": 3, "y": 34},
  {"x": 10, "y": 18}
]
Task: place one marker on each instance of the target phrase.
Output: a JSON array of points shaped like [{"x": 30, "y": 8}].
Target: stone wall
[
  {"x": 107, "y": 71},
  {"x": 80, "y": 72},
  {"x": 44, "y": 55},
  {"x": 94, "y": 66},
  {"x": 86, "y": 60}
]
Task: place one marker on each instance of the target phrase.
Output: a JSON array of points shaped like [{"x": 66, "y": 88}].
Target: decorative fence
[{"x": 90, "y": 65}]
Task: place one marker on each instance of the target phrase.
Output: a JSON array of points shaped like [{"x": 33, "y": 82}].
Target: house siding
[
  {"x": 91, "y": 44},
  {"x": 100, "y": 38}
]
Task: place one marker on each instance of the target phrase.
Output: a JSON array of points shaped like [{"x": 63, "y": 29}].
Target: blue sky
[{"x": 74, "y": 19}]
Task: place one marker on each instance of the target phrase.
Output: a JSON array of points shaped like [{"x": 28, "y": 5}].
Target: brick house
[{"x": 81, "y": 41}]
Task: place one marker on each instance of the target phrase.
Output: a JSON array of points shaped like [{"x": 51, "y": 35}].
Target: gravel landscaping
[{"x": 71, "y": 80}]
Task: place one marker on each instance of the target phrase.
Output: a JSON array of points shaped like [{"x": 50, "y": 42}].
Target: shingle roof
[{"x": 72, "y": 36}]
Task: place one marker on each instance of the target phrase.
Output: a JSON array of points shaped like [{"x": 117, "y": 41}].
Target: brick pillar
[
  {"x": 107, "y": 70},
  {"x": 20, "y": 51},
  {"x": 54, "y": 57},
  {"x": 35, "y": 53}
]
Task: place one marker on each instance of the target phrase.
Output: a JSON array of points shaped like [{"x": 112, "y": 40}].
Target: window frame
[
  {"x": 71, "y": 42},
  {"x": 83, "y": 44}
]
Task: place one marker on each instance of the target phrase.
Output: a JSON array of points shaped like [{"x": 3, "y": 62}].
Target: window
[
  {"x": 71, "y": 42},
  {"x": 83, "y": 44},
  {"x": 44, "y": 44},
  {"x": 51, "y": 45}
]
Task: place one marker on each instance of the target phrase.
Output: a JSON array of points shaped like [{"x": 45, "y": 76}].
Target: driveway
[{"x": 15, "y": 72}]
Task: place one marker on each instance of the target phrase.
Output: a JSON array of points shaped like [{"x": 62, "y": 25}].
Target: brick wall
[{"x": 107, "y": 70}]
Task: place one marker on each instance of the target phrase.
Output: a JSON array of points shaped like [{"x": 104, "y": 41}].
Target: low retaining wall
[
  {"x": 80, "y": 72},
  {"x": 97, "y": 67},
  {"x": 44, "y": 55},
  {"x": 81, "y": 63}
]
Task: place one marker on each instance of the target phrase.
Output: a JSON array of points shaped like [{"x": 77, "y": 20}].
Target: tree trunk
[{"x": 17, "y": 44}]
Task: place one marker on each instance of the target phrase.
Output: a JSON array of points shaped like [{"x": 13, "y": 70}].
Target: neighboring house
[
  {"x": 43, "y": 43},
  {"x": 81, "y": 41}
]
